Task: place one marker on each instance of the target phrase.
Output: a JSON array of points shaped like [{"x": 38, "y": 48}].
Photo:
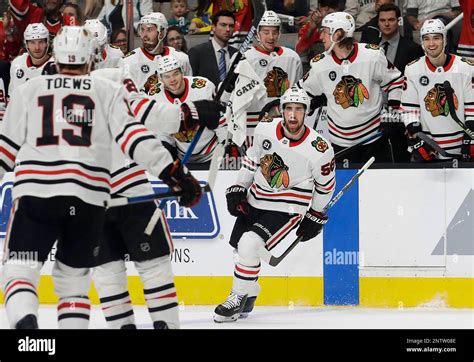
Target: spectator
[
  {"x": 418, "y": 11},
  {"x": 243, "y": 13},
  {"x": 466, "y": 41},
  {"x": 181, "y": 17},
  {"x": 295, "y": 8},
  {"x": 119, "y": 39},
  {"x": 362, "y": 11},
  {"x": 175, "y": 38},
  {"x": 74, "y": 11},
  {"x": 92, "y": 8},
  {"x": 114, "y": 13},
  {"x": 202, "y": 23},
  {"x": 309, "y": 43},
  {"x": 205, "y": 65}
]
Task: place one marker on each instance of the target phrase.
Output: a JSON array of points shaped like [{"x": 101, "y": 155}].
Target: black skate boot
[
  {"x": 27, "y": 322},
  {"x": 230, "y": 310},
  {"x": 160, "y": 325},
  {"x": 129, "y": 326}
]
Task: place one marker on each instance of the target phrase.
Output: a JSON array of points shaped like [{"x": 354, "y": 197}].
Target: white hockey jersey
[
  {"x": 424, "y": 98},
  {"x": 143, "y": 66},
  {"x": 353, "y": 91},
  {"x": 285, "y": 175},
  {"x": 127, "y": 177},
  {"x": 278, "y": 71},
  {"x": 57, "y": 135},
  {"x": 22, "y": 70},
  {"x": 195, "y": 88},
  {"x": 111, "y": 57}
]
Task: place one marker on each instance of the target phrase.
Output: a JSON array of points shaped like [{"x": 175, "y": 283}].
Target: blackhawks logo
[
  {"x": 350, "y": 92},
  {"x": 436, "y": 101},
  {"x": 317, "y": 57},
  {"x": 275, "y": 171},
  {"x": 231, "y": 5},
  {"x": 320, "y": 145},
  {"x": 468, "y": 61},
  {"x": 198, "y": 83},
  {"x": 372, "y": 46},
  {"x": 276, "y": 82},
  {"x": 185, "y": 136},
  {"x": 152, "y": 85}
]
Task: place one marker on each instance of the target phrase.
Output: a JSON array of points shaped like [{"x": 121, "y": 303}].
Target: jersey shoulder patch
[
  {"x": 318, "y": 57},
  {"x": 129, "y": 53},
  {"x": 320, "y": 145},
  {"x": 413, "y": 62},
  {"x": 468, "y": 61},
  {"x": 198, "y": 83},
  {"x": 372, "y": 46}
]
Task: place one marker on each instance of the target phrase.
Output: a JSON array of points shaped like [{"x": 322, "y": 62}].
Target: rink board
[{"x": 398, "y": 238}]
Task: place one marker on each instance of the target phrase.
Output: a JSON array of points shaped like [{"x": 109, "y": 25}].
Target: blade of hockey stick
[
  {"x": 275, "y": 260},
  {"x": 452, "y": 109}
]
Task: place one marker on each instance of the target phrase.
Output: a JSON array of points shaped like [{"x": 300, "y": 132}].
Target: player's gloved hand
[
  {"x": 205, "y": 113},
  {"x": 178, "y": 178},
  {"x": 237, "y": 203},
  {"x": 419, "y": 150},
  {"x": 270, "y": 110},
  {"x": 232, "y": 150},
  {"x": 391, "y": 124},
  {"x": 49, "y": 69},
  {"x": 467, "y": 150},
  {"x": 311, "y": 225}
]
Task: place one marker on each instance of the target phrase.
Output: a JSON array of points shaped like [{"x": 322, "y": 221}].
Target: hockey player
[
  {"x": 108, "y": 56},
  {"x": 273, "y": 193},
  {"x": 36, "y": 60},
  {"x": 350, "y": 75},
  {"x": 57, "y": 135},
  {"x": 424, "y": 102},
  {"x": 176, "y": 88},
  {"x": 142, "y": 62},
  {"x": 141, "y": 230},
  {"x": 278, "y": 67}
]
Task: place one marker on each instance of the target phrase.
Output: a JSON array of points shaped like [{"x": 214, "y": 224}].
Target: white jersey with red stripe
[
  {"x": 353, "y": 91},
  {"x": 196, "y": 88},
  {"x": 23, "y": 69},
  {"x": 143, "y": 66},
  {"x": 285, "y": 175},
  {"x": 278, "y": 71},
  {"x": 111, "y": 57},
  {"x": 424, "y": 98},
  {"x": 127, "y": 177},
  {"x": 57, "y": 136}
]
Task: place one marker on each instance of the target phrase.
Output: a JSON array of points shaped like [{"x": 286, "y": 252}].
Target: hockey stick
[
  {"x": 357, "y": 145},
  {"x": 452, "y": 109},
  {"x": 129, "y": 26},
  {"x": 275, "y": 260},
  {"x": 432, "y": 143},
  {"x": 122, "y": 201}
]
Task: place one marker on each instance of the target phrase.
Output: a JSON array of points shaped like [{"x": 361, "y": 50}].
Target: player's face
[
  {"x": 173, "y": 81},
  {"x": 388, "y": 23},
  {"x": 121, "y": 42},
  {"x": 37, "y": 48},
  {"x": 325, "y": 38},
  {"x": 433, "y": 44},
  {"x": 224, "y": 29},
  {"x": 149, "y": 35},
  {"x": 175, "y": 39},
  {"x": 269, "y": 37},
  {"x": 293, "y": 115}
]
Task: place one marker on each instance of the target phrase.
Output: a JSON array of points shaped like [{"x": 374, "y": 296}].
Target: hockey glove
[
  {"x": 203, "y": 113},
  {"x": 390, "y": 124},
  {"x": 419, "y": 150},
  {"x": 49, "y": 69},
  {"x": 232, "y": 150},
  {"x": 311, "y": 225},
  {"x": 237, "y": 203},
  {"x": 467, "y": 148},
  {"x": 269, "y": 111},
  {"x": 178, "y": 178}
]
